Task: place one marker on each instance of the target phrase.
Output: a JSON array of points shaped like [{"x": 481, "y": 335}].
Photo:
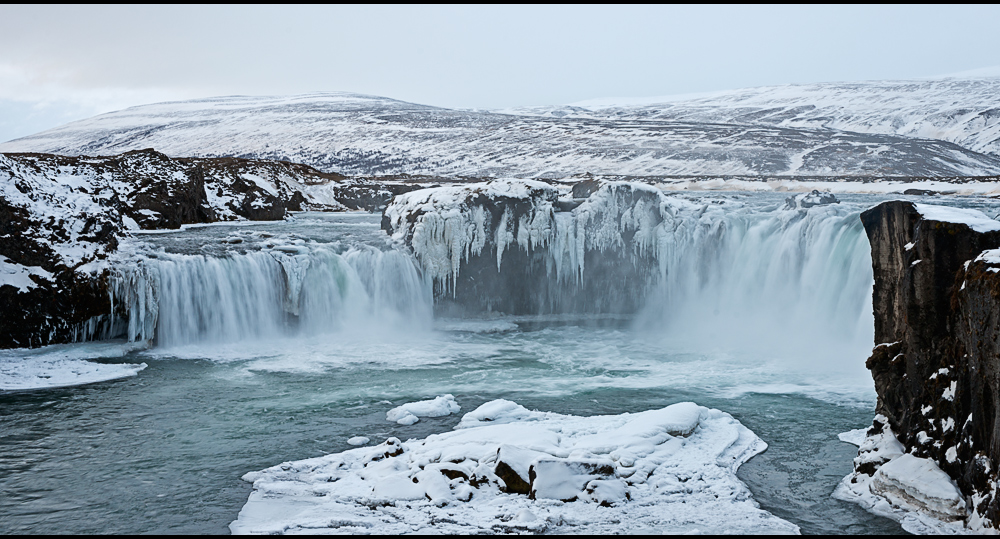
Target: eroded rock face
[
  {"x": 55, "y": 236},
  {"x": 937, "y": 364}
]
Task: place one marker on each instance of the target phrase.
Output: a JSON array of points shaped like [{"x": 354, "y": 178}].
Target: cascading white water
[
  {"x": 722, "y": 271},
  {"x": 788, "y": 281},
  {"x": 183, "y": 299},
  {"x": 725, "y": 272}
]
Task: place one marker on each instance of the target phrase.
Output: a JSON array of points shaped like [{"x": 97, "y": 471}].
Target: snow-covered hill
[
  {"x": 366, "y": 135},
  {"x": 965, "y": 111}
]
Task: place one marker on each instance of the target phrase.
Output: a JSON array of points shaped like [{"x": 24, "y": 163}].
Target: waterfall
[
  {"x": 794, "y": 281},
  {"x": 184, "y": 299},
  {"x": 729, "y": 271},
  {"x": 740, "y": 269}
]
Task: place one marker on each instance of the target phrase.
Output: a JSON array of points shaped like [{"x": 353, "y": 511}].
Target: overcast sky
[{"x": 61, "y": 63}]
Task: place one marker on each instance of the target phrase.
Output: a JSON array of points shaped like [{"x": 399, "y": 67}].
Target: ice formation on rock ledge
[
  {"x": 898, "y": 485},
  {"x": 525, "y": 247},
  {"x": 505, "y": 469},
  {"x": 446, "y": 226}
]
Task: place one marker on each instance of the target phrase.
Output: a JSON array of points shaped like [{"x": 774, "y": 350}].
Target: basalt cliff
[{"x": 936, "y": 365}]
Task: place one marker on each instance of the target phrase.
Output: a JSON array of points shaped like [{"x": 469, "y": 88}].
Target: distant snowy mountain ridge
[
  {"x": 945, "y": 127},
  {"x": 963, "y": 111}
]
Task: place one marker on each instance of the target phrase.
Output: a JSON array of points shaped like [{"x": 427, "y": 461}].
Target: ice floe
[
  {"x": 411, "y": 412},
  {"x": 854, "y": 437},
  {"x": 506, "y": 469}
]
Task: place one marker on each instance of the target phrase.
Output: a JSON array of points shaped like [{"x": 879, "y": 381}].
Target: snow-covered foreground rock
[
  {"x": 911, "y": 490},
  {"x": 411, "y": 412},
  {"x": 505, "y": 469}
]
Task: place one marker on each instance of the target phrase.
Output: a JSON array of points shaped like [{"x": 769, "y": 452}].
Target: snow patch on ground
[
  {"x": 506, "y": 469},
  {"x": 411, "y": 412},
  {"x": 19, "y": 276}
]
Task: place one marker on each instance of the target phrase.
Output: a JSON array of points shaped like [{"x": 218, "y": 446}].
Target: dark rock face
[
  {"x": 158, "y": 192},
  {"x": 937, "y": 369},
  {"x": 252, "y": 189},
  {"x": 370, "y": 195},
  {"x": 167, "y": 194},
  {"x": 53, "y": 309}
]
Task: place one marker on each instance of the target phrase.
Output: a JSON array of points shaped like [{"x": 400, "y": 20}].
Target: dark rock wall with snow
[
  {"x": 937, "y": 369},
  {"x": 57, "y": 301}
]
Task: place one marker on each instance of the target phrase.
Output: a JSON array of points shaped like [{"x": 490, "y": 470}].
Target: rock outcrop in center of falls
[
  {"x": 526, "y": 247},
  {"x": 937, "y": 362}
]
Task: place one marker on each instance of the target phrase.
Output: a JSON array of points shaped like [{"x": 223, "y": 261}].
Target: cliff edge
[{"x": 934, "y": 449}]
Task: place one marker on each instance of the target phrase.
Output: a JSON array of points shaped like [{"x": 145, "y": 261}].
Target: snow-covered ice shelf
[
  {"x": 63, "y": 365},
  {"x": 974, "y": 219},
  {"x": 505, "y": 469}
]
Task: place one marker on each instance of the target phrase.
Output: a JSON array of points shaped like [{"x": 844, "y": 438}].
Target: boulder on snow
[{"x": 808, "y": 200}]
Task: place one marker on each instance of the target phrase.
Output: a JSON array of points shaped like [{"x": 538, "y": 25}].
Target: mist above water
[{"x": 790, "y": 284}]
